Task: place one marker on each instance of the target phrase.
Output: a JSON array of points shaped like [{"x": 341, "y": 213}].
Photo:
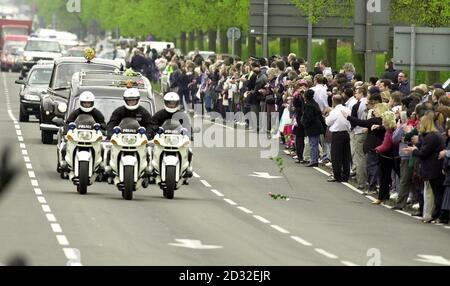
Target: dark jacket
[
  {"x": 312, "y": 119},
  {"x": 374, "y": 137},
  {"x": 428, "y": 152},
  {"x": 141, "y": 114},
  {"x": 96, "y": 114},
  {"x": 392, "y": 75},
  {"x": 161, "y": 116},
  {"x": 299, "y": 105},
  {"x": 139, "y": 63}
]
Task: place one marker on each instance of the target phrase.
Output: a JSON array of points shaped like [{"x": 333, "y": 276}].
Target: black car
[
  {"x": 31, "y": 90},
  {"x": 108, "y": 89},
  {"x": 54, "y": 103}
]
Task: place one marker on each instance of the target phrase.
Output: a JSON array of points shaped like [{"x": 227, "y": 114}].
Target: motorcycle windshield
[
  {"x": 172, "y": 126},
  {"x": 85, "y": 121},
  {"x": 129, "y": 125}
]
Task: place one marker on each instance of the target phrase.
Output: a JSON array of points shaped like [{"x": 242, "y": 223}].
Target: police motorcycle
[
  {"x": 129, "y": 157},
  {"x": 170, "y": 151},
  {"x": 84, "y": 152}
]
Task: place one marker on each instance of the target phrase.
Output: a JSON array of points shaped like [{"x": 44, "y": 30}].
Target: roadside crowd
[{"x": 391, "y": 138}]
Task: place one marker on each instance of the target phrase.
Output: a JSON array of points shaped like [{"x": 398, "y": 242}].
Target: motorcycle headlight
[
  {"x": 129, "y": 139},
  {"x": 62, "y": 107},
  {"x": 171, "y": 140},
  {"x": 85, "y": 135},
  {"x": 31, "y": 97}
]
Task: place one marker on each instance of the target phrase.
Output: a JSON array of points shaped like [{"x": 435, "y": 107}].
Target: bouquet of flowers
[{"x": 89, "y": 54}]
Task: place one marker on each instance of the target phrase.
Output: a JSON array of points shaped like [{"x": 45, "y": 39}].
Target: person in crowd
[
  {"x": 340, "y": 144},
  {"x": 386, "y": 155},
  {"x": 428, "y": 151},
  {"x": 313, "y": 122},
  {"x": 320, "y": 92},
  {"x": 403, "y": 83}
]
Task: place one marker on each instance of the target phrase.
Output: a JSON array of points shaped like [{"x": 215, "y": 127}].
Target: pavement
[{"x": 224, "y": 217}]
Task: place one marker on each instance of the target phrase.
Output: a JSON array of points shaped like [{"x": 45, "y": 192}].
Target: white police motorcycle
[
  {"x": 169, "y": 157},
  {"x": 128, "y": 163},
  {"x": 83, "y": 155}
]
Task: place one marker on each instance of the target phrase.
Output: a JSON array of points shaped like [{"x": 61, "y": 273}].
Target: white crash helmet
[
  {"x": 130, "y": 95},
  {"x": 87, "y": 99},
  {"x": 172, "y": 102}
]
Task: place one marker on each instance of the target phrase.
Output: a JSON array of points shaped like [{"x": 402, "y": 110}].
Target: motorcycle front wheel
[
  {"x": 83, "y": 175},
  {"x": 128, "y": 183},
  {"x": 171, "y": 182}
]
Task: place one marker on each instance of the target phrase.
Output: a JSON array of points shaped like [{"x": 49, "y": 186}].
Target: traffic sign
[{"x": 234, "y": 33}]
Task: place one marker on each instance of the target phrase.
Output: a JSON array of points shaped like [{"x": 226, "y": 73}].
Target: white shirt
[
  {"x": 336, "y": 121},
  {"x": 321, "y": 96},
  {"x": 351, "y": 102}
]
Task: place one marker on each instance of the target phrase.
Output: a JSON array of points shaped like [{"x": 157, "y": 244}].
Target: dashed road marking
[
  {"x": 279, "y": 228},
  {"x": 41, "y": 200},
  {"x": 38, "y": 191},
  {"x": 56, "y": 228},
  {"x": 325, "y": 253},
  {"x": 51, "y": 217},
  {"x": 230, "y": 202},
  {"x": 245, "y": 210},
  {"x": 301, "y": 241},
  {"x": 29, "y": 166},
  {"x": 348, "y": 263},
  {"x": 217, "y": 193},
  {"x": 34, "y": 183},
  {"x": 205, "y": 183},
  {"x": 62, "y": 239},
  {"x": 26, "y": 159},
  {"x": 24, "y": 152},
  {"x": 31, "y": 174},
  {"x": 195, "y": 175},
  {"x": 261, "y": 219}
]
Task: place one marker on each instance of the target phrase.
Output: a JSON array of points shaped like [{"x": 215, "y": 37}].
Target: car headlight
[
  {"x": 171, "y": 140},
  {"x": 62, "y": 107},
  {"x": 32, "y": 97},
  {"x": 28, "y": 58},
  {"x": 129, "y": 139},
  {"x": 85, "y": 135}
]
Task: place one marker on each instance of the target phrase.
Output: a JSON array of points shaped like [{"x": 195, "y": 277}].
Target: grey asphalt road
[{"x": 225, "y": 208}]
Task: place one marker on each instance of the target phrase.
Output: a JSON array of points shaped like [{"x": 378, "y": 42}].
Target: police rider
[
  {"x": 172, "y": 111},
  {"x": 87, "y": 100},
  {"x": 132, "y": 109}
]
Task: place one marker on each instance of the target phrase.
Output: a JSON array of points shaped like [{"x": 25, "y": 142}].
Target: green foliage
[
  {"x": 432, "y": 13},
  {"x": 319, "y": 9}
]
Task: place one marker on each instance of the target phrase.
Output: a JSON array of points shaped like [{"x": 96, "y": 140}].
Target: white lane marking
[
  {"x": 325, "y": 253},
  {"x": 62, "y": 239},
  {"x": 230, "y": 202},
  {"x": 34, "y": 183},
  {"x": 70, "y": 254},
  {"x": 29, "y": 166},
  {"x": 17, "y": 126},
  {"x": 245, "y": 210},
  {"x": 322, "y": 171},
  {"x": 56, "y": 228},
  {"x": 205, "y": 183},
  {"x": 22, "y": 145},
  {"x": 217, "y": 193},
  {"x": 195, "y": 175},
  {"x": 19, "y": 133},
  {"x": 348, "y": 263},
  {"x": 20, "y": 138},
  {"x": 26, "y": 159},
  {"x": 279, "y": 228},
  {"x": 46, "y": 209},
  {"x": 24, "y": 152},
  {"x": 31, "y": 174},
  {"x": 353, "y": 188},
  {"x": 41, "y": 199},
  {"x": 38, "y": 191},
  {"x": 51, "y": 217},
  {"x": 261, "y": 219},
  {"x": 11, "y": 115},
  {"x": 301, "y": 241}
]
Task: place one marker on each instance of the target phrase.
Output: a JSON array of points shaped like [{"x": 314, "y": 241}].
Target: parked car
[
  {"x": 31, "y": 90},
  {"x": 54, "y": 103},
  {"x": 108, "y": 88},
  {"x": 39, "y": 49}
]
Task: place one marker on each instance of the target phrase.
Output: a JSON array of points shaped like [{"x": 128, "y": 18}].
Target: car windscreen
[
  {"x": 65, "y": 71},
  {"x": 15, "y": 31},
  {"x": 9, "y": 46},
  {"x": 108, "y": 105},
  {"x": 40, "y": 76},
  {"x": 43, "y": 46}
]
